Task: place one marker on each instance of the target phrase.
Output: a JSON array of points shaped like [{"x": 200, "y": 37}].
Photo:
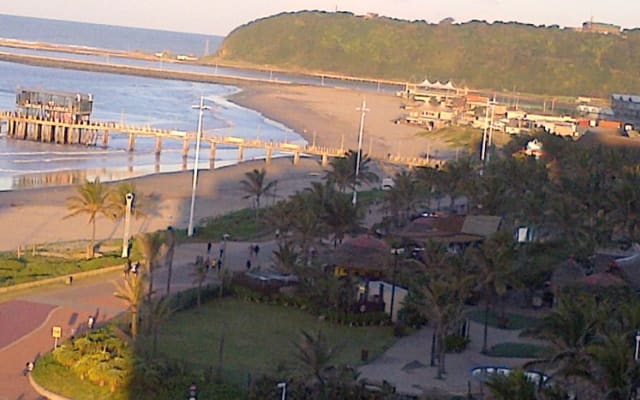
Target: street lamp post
[
  {"x": 363, "y": 110},
  {"x": 201, "y": 107},
  {"x": 283, "y": 386},
  {"x": 396, "y": 252},
  {"x": 127, "y": 224}
]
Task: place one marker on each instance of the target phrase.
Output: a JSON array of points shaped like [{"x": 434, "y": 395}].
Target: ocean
[{"x": 158, "y": 103}]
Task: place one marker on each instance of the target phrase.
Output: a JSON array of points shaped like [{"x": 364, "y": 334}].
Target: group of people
[{"x": 131, "y": 268}]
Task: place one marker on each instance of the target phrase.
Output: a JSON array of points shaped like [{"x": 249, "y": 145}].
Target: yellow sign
[{"x": 56, "y": 332}]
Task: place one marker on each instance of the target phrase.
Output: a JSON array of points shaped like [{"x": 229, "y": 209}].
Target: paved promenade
[{"x": 26, "y": 322}]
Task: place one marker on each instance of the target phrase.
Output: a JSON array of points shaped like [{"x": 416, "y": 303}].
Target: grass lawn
[
  {"x": 258, "y": 338},
  {"x": 515, "y": 321},
  {"x": 456, "y": 136},
  {"x": 50, "y": 262},
  {"x": 60, "y": 379},
  {"x": 516, "y": 350}
]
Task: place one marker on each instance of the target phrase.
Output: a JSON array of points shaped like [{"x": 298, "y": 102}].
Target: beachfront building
[
  {"x": 66, "y": 107},
  {"x": 626, "y": 108},
  {"x": 601, "y": 27}
]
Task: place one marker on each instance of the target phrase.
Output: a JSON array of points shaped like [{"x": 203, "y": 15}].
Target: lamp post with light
[
  {"x": 127, "y": 224},
  {"x": 283, "y": 386},
  {"x": 201, "y": 107},
  {"x": 396, "y": 252},
  {"x": 363, "y": 110}
]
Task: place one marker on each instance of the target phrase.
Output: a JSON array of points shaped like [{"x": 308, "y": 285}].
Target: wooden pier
[{"x": 23, "y": 127}]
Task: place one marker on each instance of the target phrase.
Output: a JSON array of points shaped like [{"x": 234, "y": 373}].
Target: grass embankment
[{"x": 53, "y": 261}]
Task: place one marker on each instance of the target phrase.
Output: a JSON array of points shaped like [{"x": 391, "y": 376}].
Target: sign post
[{"x": 56, "y": 333}]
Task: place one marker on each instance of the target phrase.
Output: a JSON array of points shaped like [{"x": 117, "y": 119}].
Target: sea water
[{"x": 157, "y": 103}]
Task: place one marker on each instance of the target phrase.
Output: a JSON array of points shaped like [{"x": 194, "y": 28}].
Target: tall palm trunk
[
  {"x": 92, "y": 245},
  {"x": 134, "y": 322}
]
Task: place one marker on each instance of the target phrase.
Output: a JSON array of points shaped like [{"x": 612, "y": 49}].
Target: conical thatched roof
[{"x": 362, "y": 253}]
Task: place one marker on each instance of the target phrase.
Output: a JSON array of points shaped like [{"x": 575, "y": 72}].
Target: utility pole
[
  {"x": 201, "y": 108},
  {"x": 363, "y": 110}
]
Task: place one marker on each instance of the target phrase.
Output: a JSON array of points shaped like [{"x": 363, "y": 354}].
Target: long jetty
[{"x": 23, "y": 127}]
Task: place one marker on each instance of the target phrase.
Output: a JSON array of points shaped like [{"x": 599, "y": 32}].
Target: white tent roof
[{"x": 437, "y": 85}]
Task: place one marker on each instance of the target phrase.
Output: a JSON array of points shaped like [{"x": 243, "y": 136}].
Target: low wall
[
  {"x": 60, "y": 279},
  {"x": 44, "y": 392}
]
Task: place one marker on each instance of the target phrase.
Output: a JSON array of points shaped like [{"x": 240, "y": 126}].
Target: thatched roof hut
[{"x": 363, "y": 255}]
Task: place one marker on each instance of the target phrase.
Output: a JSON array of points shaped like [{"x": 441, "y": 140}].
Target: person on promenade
[
  {"x": 248, "y": 264},
  {"x": 28, "y": 368},
  {"x": 91, "y": 322}
]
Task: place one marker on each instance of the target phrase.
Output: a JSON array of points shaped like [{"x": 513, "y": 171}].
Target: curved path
[{"x": 26, "y": 322}]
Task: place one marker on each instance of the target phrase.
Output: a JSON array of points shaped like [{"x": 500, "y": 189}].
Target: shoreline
[
  {"x": 36, "y": 215},
  {"x": 323, "y": 116}
]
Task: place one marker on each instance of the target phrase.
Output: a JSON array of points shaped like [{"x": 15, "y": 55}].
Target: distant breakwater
[{"x": 129, "y": 70}]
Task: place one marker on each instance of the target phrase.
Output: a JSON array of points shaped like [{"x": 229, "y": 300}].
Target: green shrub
[{"x": 455, "y": 343}]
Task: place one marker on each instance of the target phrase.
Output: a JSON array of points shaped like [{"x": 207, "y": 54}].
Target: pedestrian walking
[
  {"x": 209, "y": 248},
  {"x": 256, "y": 249},
  {"x": 90, "y": 322},
  {"x": 248, "y": 264},
  {"x": 28, "y": 368},
  {"x": 219, "y": 264}
]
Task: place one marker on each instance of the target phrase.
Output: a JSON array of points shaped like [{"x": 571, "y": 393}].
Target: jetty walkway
[{"x": 22, "y": 127}]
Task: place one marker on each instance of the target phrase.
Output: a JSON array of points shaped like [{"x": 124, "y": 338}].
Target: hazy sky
[{"x": 219, "y": 17}]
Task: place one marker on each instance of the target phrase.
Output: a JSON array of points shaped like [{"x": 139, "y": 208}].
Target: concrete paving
[{"x": 406, "y": 365}]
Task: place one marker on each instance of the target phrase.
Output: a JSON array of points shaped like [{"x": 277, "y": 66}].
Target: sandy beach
[
  {"x": 331, "y": 117},
  {"x": 324, "y": 115}
]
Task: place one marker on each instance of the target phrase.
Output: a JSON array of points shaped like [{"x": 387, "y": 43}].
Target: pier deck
[{"x": 22, "y": 127}]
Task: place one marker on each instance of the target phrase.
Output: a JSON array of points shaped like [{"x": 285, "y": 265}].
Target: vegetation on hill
[{"x": 500, "y": 56}]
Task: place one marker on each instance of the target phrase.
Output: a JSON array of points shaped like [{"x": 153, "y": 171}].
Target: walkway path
[
  {"x": 26, "y": 322},
  {"x": 407, "y": 364}
]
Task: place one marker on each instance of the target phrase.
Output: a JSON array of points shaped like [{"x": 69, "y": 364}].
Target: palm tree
[
  {"x": 118, "y": 202},
  {"x": 170, "y": 243},
  {"x": 341, "y": 217},
  {"x": 314, "y": 355},
  {"x": 494, "y": 260},
  {"x": 571, "y": 330},
  {"x": 132, "y": 292},
  {"x": 343, "y": 171},
  {"x": 256, "y": 186},
  {"x": 158, "y": 312},
  {"x": 91, "y": 199},
  {"x": 443, "y": 287},
  {"x": 402, "y": 197},
  {"x": 150, "y": 245},
  {"x": 515, "y": 385},
  {"x": 286, "y": 257}
]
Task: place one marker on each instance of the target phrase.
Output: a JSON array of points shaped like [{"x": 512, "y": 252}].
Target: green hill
[{"x": 498, "y": 56}]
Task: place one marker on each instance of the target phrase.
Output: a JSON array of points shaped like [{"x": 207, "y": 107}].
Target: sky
[{"x": 219, "y": 17}]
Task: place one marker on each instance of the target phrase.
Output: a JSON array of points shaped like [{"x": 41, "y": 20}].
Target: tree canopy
[{"x": 498, "y": 56}]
